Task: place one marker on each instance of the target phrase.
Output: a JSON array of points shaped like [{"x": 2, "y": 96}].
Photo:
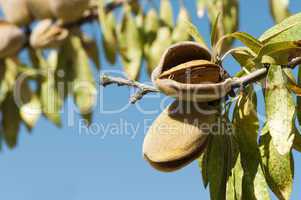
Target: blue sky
[{"x": 73, "y": 164}]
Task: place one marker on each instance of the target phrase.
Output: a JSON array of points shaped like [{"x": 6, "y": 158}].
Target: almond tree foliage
[{"x": 243, "y": 165}]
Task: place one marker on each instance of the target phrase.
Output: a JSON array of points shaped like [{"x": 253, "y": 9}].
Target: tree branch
[
  {"x": 143, "y": 89},
  {"x": 294, "y": 62},
  {"x": 250, "y": 78}
]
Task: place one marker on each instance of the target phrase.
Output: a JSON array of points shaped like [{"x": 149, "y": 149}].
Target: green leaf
[
  {"x": 166, "y": 13},
  {"x": 84, "y": 88},
  {"x": 288, "y": 30},
  {"x": 298, "y": 107},
  {"x": 10, "y": 121},
  {"x": 278, "y": 53},
  {"x": 279, "y": 10},
  {"x": 246, "y": 124},
  {"x": 202, "y": 161},
  {"x": 90, "y": 46},
  {"x": 151, "y": 24},
  {"x": 65, "y": 69},
  {"x": 194, "y": 33},
  {"x": 244, "y": 57},
  {"x": 216, "y": 167},
  {"x": 180, "y": 32},
  {"x": 131, "y": 47},
  {"x": 246, "y": 39},
  {"x": 214, "y": 31},
  {"x": 161, "y": 43},
  {"x": 297, "y": 140},
  {"x": 29, "y": 104},
  {"x": 10, "y": 112},
  {"x": 228, "y": 22},
  {"x": 51, "y": 99},
  {"x": 220, "y": 162},
  {"x": 8, "y": 74},
  {"x": 278, "y": 169},
  {"x": 107, "y": 24},
  {"x": 280, "y": 110}
]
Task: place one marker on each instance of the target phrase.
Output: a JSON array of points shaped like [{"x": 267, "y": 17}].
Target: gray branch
[
  {"x": 250, "y": 78},
  {"x": 142, "y": 89}
]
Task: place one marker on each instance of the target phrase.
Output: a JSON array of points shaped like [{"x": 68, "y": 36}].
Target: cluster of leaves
[
  {"x": 47, "y": 77},
  {"x": 246, "y": 164}
]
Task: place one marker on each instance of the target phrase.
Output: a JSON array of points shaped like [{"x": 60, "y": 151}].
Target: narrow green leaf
[
  {"x": 246, "y": 39},
  {"x": 221, "y": 159},
  {"x": 161, "y": 43},
  {"x": 151, "y": 24},
  {"x": 166, "y": 13},
  {"x": 51, "y": 100},
  {"x": 246, "y": 124},
  {"x": 84, "y": 88},
  {"x": 214, "y": 31},
  {"x": 132, "y": 49},
  {"x": 90, "y": 46},
  {"x": 279, "y": 10},
  {"x": 29, "y": 104},
  {"x": 107, "y": 24},
  {"x": 8, "y": 74},
  {"x": 297, "y": 140},
  {"x": 216, "y": 167},
  {"x": 202, "y": 161},
  {"x": 278, "y": 169},
  {"x": 228, "y": 23},
  {"x": 180, "y": 32},
  {"x": 151, "y": 27},
  {"x": 280, "y": 110},
  {"x": 298, "y": 107},
  {"x": 10, "y": 121},
  {"x": 194, "y": 33}
]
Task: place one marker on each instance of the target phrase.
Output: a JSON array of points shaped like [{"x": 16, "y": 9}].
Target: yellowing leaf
[{"x": 280, "y": 110}]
